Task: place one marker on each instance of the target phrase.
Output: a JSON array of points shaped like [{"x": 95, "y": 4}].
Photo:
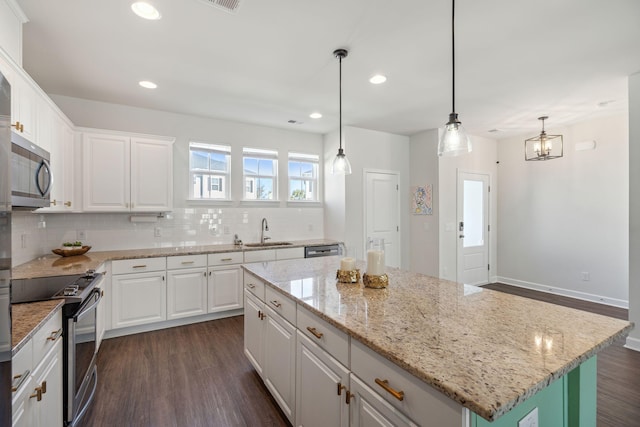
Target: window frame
[
  {"x": 260, "y": 154},
  {"x": 209, "y": 173},
  {"x": 314, "y": 159}
]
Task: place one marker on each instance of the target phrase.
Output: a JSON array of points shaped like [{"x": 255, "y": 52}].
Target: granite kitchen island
[{"x": 494, "y": 357}]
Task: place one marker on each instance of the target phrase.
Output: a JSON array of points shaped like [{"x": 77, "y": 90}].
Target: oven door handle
[{"x": 88, "y": 306}]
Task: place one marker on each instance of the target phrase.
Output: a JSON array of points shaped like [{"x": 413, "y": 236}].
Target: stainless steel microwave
[{"x": 31, "y": 176}]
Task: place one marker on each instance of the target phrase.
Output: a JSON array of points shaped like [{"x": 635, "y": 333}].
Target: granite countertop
[
  {"x": 54, "y": 265},
  {"x": 487, "y": 350},
  {"x": 28, "y": 318}
]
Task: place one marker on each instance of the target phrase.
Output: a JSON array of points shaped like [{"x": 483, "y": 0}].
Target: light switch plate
[{"x": 530, "y": 420}]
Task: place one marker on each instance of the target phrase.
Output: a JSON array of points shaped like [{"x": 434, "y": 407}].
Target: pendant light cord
[
  {"x": 453, "y": 57},
  {"x": 340, "y": 99}
]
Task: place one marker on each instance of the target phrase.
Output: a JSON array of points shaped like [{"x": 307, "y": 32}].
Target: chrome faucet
[{"x": 264, "y": 227}]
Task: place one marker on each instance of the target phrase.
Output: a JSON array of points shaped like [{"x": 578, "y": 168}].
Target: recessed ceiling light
[
  {"x": 377, "y": 79},
  {"x": 145, "y": 10},
  {"x": 315, "y": 115},
  {"x": 147, "y": 84}
]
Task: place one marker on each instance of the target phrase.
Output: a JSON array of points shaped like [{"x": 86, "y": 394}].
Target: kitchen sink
[{"x": 265, "y": 244}]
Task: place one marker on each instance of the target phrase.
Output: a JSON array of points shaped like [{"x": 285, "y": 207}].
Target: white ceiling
[{"x": 272, "y": 61}]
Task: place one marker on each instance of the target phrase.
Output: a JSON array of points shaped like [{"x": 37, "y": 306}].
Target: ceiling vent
[{"x": 230, "y": 6}]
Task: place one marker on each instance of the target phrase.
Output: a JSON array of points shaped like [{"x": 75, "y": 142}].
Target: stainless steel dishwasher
[{"x": 322, "y": 250}]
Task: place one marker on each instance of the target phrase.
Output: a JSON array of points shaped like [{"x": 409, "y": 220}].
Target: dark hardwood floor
[
  {"x": 188, "y": 376},
  {"x": 197, "y": 375}
]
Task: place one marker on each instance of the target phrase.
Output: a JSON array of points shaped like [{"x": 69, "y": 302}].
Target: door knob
[{"x": 461, "y": 236}]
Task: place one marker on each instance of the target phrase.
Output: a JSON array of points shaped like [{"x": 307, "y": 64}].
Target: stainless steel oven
[
  {"x": 31, "y": 176},
  {"x": 81, "y": 374}
]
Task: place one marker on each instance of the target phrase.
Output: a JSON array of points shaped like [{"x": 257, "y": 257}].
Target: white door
[
  {"x": 225, "y": 288},
  {"x": 280, "y": 362},
  {"x": 473, "y": 228},
  {"x": 382, "y": 217},
  {"x": 186, "y": 292},
  {"x": 254, "y": 331}
]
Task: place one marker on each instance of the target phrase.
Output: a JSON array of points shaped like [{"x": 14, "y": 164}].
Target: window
[
  {"x": 209, "y": 171},
  {"x": 260, "y": 174},
  {"x": 303, "y": 177}
]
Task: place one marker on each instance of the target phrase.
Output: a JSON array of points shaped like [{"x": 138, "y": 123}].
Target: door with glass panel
[{"x": 473, "y": 228}]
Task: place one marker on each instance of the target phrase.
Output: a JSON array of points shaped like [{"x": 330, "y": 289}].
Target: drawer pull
[
  {"x": 348, "y": 397},
  {"x": 385, "y": 385},
  {"x": 37, "y": 394},
  {"x": 340, "y": 388},
  {"x": 276, "y": 304},
  {"x": 261, "y": 315},
  {"x": 187, "y": 262},
  {"x": 226, "y": 259},
  {"x": 18, "y": 380},
  {"x": 55, "y": 335},
  {"x": 43, "y": 386},
  {"x": 315, "y": 333},
  {"x": 251, "y": 286},
  {"x": 140, "y": 266}
]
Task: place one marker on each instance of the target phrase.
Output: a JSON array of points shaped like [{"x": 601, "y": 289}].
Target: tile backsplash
[{"x": 35, "y": 234}]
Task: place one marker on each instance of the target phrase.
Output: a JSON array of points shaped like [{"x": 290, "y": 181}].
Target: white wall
[
  {"x": 562, "y": 217},
  {"x": 334, "y": 192},
  {"x": 425, "y": 229},
  {"x": 366, "y": 149},
  {"x": 482, "y": 160},
  {"x": 633, "y": 341}
]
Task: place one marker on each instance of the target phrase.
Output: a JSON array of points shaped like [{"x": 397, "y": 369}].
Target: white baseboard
[
  {"x": 120, "y": 332},
  {"x": 633, "y": 344},
  {"x": 565, "y": 292}
]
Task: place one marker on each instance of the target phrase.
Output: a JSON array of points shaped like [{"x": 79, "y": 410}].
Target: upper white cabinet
[
  {"x": 127, "y": 173},
  {"x": 11, "y": 19},
  {"x": 24, "y": 109},
  {"x": 63, "y": 166}
]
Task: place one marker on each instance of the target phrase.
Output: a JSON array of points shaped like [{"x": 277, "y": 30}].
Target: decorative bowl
[{"x": 71, "y": 251}]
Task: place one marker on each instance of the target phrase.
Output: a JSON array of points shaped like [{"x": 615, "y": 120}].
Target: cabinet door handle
[
  {"x": 226, "y": 259},
  {"x": 205, "y": 274},
  {"x": 53, "y": 202},
  {"x": 21, "y": 379},
  {"x": 37, "y": 394},
  {"x": 43, "y": 386},
  {"x": 340, "y": 388},
  {"x": 385, "y": 385},
  {"x": 315, "y": 333},
  {"x": 67, "y": 204},
  {"x": 251, "y": 286},
  {"x": 140, "y": 266},
  {"x": 348, "y": 397},
  {"x": 54, "y": 335},
  {"x": 276, "y": 304}
]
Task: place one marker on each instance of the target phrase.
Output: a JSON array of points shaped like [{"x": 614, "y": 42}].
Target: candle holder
[
  {"x": 375, "y": 282},
  {"x": 348, "y": 276},
  {"x": 375, "y": 276}
]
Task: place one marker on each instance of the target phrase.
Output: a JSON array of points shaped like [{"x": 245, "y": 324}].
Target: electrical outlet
[
  {"x": 81, "y": 235},
  {"x": 530, "y": 420},
  {"x": 157, "y": 232},
  {"x": 586, "y": 276}
]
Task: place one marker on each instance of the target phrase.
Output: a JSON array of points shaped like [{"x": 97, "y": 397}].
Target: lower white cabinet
[
  {"x": 101, "y": 314},
  {"x": 280, "y": 361},
  {"x": 186, "y": 292},
  {"x": 138, "y": 298},
  {"x": 254, "y": 331},
  {"x": 37, "y": 370},
  {"x": 322, "y": 387},
  {"x": 369, "y": 409},
  {"x": 224, "y": 288}
]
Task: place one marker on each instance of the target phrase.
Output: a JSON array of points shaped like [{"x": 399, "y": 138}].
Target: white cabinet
[
  {"x": 37, "y": 372},
  {"x": 64, "y": 167},
  {"x": 122, "y": 173},
  {"x": 289, "y": 253},
  {"x": 138, "y": 298},
  {"x": 254, "y": 331},
  {"x": 369, "y": 409},
  {"x": 280, "y": 361},
  {"x": 322, "y": 387},
  {"x": 24, "y": 102},
  {"x": 101, "y": 315},
  {"x": 186, "y": 286},
  {"x": 260, "y": 255},
  {"x": 11, "y": 20},
  {"x": 224, "y": 288}
]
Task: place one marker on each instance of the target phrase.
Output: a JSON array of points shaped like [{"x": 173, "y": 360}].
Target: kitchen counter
[
  {"x": 54, "y": 265},
  {"x": 28, "y": 318},
  {"x": 489, "y": 351}
]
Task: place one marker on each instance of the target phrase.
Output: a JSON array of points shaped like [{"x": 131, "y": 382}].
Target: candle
[
  {"x": 347, "y": 264},
  {"x": 375, "y": 263}
]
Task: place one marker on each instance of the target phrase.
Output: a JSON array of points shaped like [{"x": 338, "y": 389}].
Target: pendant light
[
  {"x": 543, "y": 146},
  {"x": 454, "y": 140},
  {"x": 341, "y": 165}
]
